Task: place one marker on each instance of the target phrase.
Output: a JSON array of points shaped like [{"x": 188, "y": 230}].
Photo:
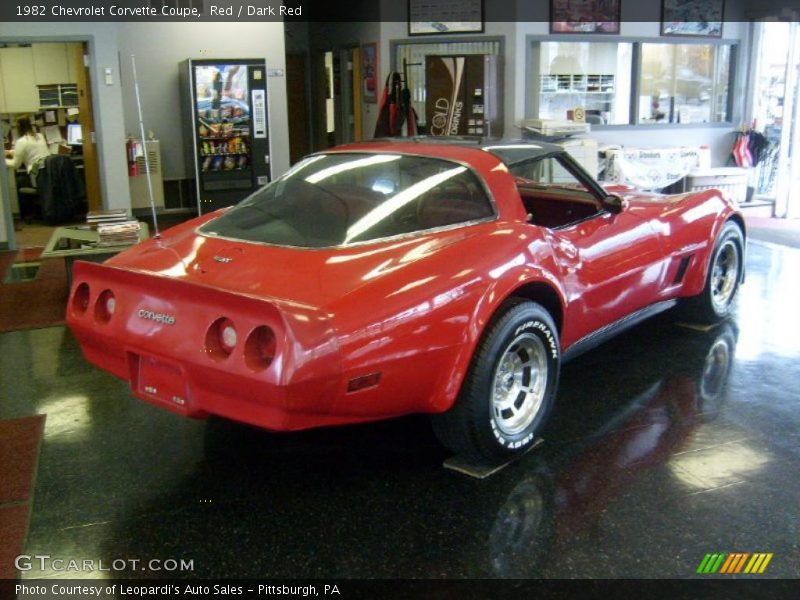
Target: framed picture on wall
[
  {"x": 586, "y": 16},
  {"x": 698, "y": 18},
  {"x": 369, "y": 72},
  {"x": 436, "y": 17}
]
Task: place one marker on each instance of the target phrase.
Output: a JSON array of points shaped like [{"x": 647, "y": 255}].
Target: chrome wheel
[
  {"x": 519, "y": 384},
  {"x": 509, "y": 388},
  {"x": 725, "y": 275}
]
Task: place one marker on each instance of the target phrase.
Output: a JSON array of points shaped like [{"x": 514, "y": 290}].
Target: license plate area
[{"x": 161, "y": 380}]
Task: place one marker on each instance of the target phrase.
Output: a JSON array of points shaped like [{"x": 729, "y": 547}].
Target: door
[
  {"x": 325, "y": 99},
  {"x": 91, "y": 171},
  {"x": 297, "y": 98},
  {"x": 349, "y": 94},
  {"x": 776, "y": 107},
  {"x": 355, "y": 82},
  {"x": 610, "y": 264}
]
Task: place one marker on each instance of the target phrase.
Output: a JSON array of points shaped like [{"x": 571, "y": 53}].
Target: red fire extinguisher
[{"x": 130, "y": 148}]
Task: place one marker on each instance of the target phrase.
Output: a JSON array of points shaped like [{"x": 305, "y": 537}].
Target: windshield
[{"x": 344, "y": 198}]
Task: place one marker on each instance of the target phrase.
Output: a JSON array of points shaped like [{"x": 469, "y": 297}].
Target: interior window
[
  {"x": 552, "y": 195},
  {"x": 684, "y": 83},
  {"x": 590, "y": 75}
]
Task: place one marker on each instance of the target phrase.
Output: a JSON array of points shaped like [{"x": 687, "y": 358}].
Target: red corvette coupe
[{"x": 395, "y": 277}]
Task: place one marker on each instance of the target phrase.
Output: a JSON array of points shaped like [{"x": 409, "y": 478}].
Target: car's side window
[{"x": 552, "y": 195}]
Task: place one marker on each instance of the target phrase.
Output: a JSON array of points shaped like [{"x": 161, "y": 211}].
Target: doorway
[
  {"x": 337, "y": 79},
  {"x": 49, "y": 82},
  {"x": 297, "y": 99},
  {"x": 776, "y": 110},
  {"x": 350, "y": 96}
]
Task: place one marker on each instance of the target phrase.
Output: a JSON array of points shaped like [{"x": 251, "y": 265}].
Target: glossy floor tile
[{"x": 667, "y": 443}]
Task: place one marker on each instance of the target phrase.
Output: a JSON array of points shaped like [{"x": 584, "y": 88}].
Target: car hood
[{"x": 313, "y": 277}]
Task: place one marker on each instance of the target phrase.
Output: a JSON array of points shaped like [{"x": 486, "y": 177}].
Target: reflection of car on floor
[
  {"x": 388, "y": 278},
  {"x": 548, "y": 508}
]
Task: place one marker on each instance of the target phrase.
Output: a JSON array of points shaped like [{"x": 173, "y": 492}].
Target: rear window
[{"x": 345, "y": 198}]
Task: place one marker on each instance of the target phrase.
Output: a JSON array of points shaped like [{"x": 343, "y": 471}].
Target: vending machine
[{"x": 227, "y": 129}]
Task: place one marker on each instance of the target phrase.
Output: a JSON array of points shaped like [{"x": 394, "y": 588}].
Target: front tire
[
  {"x": 509, "y": 388},
  {"x": 725, "y": 270}
]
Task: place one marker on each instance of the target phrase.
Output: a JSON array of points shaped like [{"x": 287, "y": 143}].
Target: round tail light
[
  {"x": 80, "y": 299},
  {"x": 259, "y": 349},
  {"x": 105, "y": 307},
  {"x": 227, "y": 337},
  {"x": 221, "y": 339}
]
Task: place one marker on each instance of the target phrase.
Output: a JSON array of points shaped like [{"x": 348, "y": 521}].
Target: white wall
[
  {"x": 533, "y": 19},
  {"x": 642, "y": 20},
  {"x": 718, "y": 138},
  {"x": 159, "y": 48},
  {"x": 398, "y": 31}
]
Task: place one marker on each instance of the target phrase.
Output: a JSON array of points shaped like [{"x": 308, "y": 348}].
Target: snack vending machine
[{"x": 227, "y": 128}]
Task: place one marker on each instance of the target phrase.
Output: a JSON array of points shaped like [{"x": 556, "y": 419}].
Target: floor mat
[
  {"x": 38, "y": 303},
  {"x": 20, "y": 440},
  {"x": 6, "y": 260},
  {"x": 13, "y": 531}
]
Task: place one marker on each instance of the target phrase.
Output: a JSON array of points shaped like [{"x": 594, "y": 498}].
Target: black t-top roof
[{"x": 510, "y": 151}]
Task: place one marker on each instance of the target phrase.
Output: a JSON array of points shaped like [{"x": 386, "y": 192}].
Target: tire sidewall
[{"x": 524, "y": 319}]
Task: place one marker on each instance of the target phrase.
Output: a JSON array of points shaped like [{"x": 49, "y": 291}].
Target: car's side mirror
[{"x": 615, "y": 203}]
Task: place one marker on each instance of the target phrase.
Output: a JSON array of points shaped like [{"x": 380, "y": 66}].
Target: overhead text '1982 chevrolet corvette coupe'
[{"x": 396, "y": 277}]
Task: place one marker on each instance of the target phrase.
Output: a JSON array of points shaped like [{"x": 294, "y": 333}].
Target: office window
[
  {"x": 684, "y": 83},
  {"x": 593, "y": 76},
  {"x": 631, "y": 81}
]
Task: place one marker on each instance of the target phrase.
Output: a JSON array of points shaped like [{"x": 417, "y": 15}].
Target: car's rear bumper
[
  {"x": 159, "y": 339},
  {"x": 196, "y": 390}
]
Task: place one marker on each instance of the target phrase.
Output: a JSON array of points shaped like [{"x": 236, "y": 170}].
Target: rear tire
[
  {"x": 725, "y": 269},
  {"x": 509, "y": 388}
]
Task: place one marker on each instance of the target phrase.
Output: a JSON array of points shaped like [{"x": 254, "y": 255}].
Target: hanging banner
[{"x": 653, "y": 168}]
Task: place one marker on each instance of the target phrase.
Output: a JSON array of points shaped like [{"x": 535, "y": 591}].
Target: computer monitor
[{"x": 74, "y": 136}]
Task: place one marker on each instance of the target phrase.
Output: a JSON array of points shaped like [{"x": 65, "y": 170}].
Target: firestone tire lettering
[{"x": 470, "y": 427}]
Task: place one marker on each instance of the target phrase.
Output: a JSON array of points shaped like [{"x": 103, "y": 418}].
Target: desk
[{"x": 76, "y": 242}]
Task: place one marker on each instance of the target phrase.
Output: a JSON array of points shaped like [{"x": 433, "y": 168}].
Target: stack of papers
[
  {"x": 95, "y": 217},
  {"x": 123, "y": 233},
  {"x": 554, "y": 127}
]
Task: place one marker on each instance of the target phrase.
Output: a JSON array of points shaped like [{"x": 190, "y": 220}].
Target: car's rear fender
[{"x": 529, "y": 281}]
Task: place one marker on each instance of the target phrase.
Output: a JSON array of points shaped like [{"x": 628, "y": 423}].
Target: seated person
[{"x": 30, "y": 150}]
